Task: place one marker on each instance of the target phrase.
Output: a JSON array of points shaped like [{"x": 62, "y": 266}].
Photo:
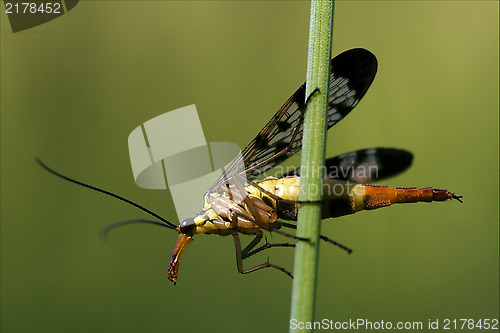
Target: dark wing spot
[
  {"x": 283, "y": 125},
  {"x": 260, "y": 141}
]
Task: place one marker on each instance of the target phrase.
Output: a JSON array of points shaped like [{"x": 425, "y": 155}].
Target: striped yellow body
[
  {"x": 278, "y": 198},
  {"x": 340, "y": 197}
]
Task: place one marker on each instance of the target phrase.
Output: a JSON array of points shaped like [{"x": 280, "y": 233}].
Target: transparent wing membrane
[{"x": 352, "y": 73}]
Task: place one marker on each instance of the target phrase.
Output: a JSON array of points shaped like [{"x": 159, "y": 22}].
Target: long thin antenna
[
  {"x": 111, "y": 194},
  {"x": 112, "y": 226}
]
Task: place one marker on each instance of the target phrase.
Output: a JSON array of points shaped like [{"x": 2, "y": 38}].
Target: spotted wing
[
  {"x": 365, "y": 165},
  {"x": 352, "y": 73}
]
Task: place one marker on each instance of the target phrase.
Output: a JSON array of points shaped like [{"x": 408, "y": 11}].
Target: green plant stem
[{"x": 313, "y": 158}]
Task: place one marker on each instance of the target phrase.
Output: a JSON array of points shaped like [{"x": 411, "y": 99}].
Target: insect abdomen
[
  {"x": 344, "y": 198},
  {"x": 381, "y": 196},
  {"x": 367, "y": 197}
]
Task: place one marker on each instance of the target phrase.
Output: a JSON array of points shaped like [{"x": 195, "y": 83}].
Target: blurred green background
[{"x": 72, "y": 90}]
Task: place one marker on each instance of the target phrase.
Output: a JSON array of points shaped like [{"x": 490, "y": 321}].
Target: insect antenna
[
  {"x": 164, "y": 222},
  {"x": 326, "y": 239},
  {"x": 112, "y": 226},
  {"x": 457, "y": 197}
]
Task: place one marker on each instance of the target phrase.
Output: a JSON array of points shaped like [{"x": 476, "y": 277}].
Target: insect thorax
[{"x": 223, "y": 215}]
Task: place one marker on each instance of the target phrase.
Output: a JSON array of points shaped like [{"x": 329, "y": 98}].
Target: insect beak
[{"x": 182, "y": 242}]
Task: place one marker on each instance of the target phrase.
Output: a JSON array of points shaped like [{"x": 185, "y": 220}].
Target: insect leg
[
  {"x": 248, "y": 253},
  {"x": 239, "y": 256},
  {"x": 286, "y": 234},
  {"x": 248, "y": 249},
  {"x": 316, "y": 90},
  {"x": 326, "y": 239}
]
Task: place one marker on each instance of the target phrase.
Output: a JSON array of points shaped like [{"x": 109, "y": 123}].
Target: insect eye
[{"x": 187, "y": 225}]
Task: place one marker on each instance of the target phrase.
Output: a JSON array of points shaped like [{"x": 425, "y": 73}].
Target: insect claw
[
  {"x": 457, "y": 197},
  {"x": 316, "y": 90}
]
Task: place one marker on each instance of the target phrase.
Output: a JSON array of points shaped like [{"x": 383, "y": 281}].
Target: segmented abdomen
[{"x": 341, "y": 197}]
